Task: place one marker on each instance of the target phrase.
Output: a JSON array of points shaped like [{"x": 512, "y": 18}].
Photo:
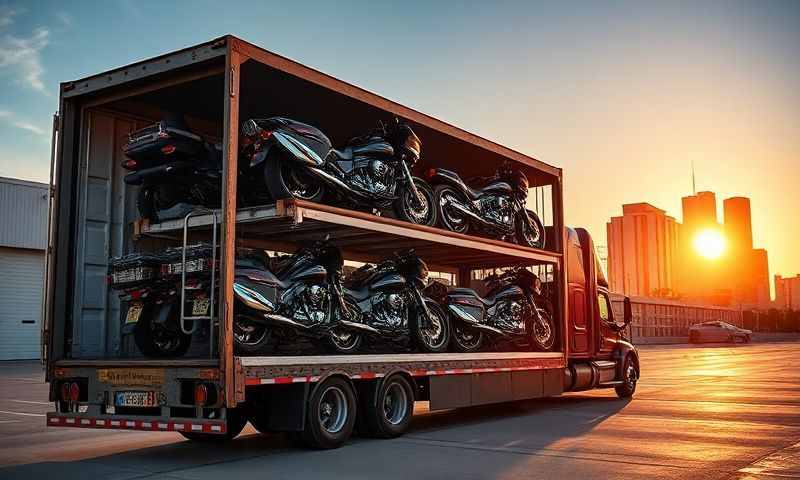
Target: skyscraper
[
  {"x": 787, "y": 292},
  {"x": 641, "y": 251},
  {"x": 738, "y": 228},
  {"x": 699, "y": 211}
]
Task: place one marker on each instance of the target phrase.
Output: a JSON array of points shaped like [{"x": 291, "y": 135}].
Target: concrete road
[{"x": 717, "y": 412}]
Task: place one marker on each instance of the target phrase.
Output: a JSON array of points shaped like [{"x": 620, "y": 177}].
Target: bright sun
[{"x": 709, "y": 243}]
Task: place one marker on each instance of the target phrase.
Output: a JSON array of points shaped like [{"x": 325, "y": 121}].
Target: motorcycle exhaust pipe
[
  {"x": 474, "y": 216},
  {"x": 359, "y": 326},
  {"x": 330, "y": 179},
  {"x": 286, "y": 321},
  {"x": 467, "y": 318}
]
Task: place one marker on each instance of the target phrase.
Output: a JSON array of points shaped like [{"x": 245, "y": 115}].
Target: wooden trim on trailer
[{"x": 228, "y": 250}]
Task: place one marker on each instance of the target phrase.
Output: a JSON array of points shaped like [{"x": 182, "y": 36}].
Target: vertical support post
[
  {"x": 230, "y": 147},
  {"x": 560, "y": 236}
]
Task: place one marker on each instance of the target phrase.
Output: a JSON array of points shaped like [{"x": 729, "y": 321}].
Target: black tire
[
  {"x": 465, "y": 338},
  {"x": 448, "y": 218},
  {"x": 530, "y": 237},
  {"x": 544, "y": 334},
  {"x": 435, "y": 338},
  {"x": 160, "y": 340},
  {"x": 630, "y": 376},
  {"x": 387, "y": 407},
  {"x": 250, "y": 337},
  {"x": 235, "y": 422},
  {"x": 409, "y": 211},
  {"x": 284, "y": 180},
  {"x": 345, "y": 341},
  {"x": 331, "y": 414}
]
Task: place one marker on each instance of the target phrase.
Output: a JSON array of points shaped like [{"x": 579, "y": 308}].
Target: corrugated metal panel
[
  {"x": 23, "y": 214},
  {"x": 20, "y": 303}
]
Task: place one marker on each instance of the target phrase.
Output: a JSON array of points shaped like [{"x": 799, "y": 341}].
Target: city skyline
[{"x": 576, "y": 88}]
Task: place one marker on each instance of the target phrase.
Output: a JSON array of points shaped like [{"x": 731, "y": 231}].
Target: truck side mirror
[{"x": 628, "y": 311}]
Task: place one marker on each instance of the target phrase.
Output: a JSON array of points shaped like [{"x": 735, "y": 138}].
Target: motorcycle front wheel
[
  {"x": 285, "y": 179},
  {"x": 530, "y": 235},
  {"x": 544, "y": 332},
  {"x": 435, "y": 336},
  {"x": 421, "y": 210},
  {"x": 343, "y": 340},
  {"x": 160, "y": 340},
  {"x": 449, "y": 217}
]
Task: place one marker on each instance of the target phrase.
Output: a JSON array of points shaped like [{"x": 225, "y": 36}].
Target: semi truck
[{"x": 97, "y": 378}]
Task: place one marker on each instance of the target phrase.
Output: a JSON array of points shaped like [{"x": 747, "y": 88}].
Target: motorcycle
[
  {"x": 386, "y": 302},
  {"x": 284, "y": 296},
  {"x": 497, "y": 208},
  {"x": 513, "y": 309},
  {"x": 152, "y": 308},
  {"x": 373, "y": 172},
  {"x": 175, "y": 169}
]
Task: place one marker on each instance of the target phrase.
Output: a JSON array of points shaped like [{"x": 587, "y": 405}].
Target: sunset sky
[{"x": 622, "y": 95}]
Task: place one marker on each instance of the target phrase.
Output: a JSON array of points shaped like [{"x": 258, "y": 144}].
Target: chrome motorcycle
[
  {"x": 372, "y": 172},
  {"x": 513, "y": 310},
  {"x": 283, "y": 297},
  {"x": 497, "y": 208},
  {"x": 386, "y": 302}
]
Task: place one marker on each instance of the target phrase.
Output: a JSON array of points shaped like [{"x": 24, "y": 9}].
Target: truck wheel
[
  {"x": 235, "y": 422},
  {"x": 331, "y": 414},
  {"x": 630, "y": 375},
  {"x": 388, "y": 407}
]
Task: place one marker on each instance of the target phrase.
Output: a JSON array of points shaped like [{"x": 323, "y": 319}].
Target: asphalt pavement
[{"x": 706, "y": 412}]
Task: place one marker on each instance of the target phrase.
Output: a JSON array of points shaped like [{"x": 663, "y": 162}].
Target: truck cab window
[{"x": 605, "y": 308}]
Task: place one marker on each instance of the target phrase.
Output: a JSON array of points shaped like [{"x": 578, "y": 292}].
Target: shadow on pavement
[{"x": 526, "y": 425}]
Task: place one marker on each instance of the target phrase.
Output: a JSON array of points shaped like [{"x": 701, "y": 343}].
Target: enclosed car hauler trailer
[{"x": 213, "y": 392}]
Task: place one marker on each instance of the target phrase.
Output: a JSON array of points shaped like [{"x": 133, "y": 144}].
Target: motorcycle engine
[
  {"x": 510, "y": 317},
  {"x": 312, "y": 306},
  {"x": 376, "y": 178},
  {"x": 389, "y": 311},
  {"x": 498, "y": 209}
]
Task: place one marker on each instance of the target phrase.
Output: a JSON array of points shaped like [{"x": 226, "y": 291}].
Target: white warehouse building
[{"x": 23, "y": 238}]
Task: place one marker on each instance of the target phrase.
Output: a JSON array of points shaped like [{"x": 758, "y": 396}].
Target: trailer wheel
[
  {"x": 331, "y": 414},
  {"x": 388, "y": 407},
  {"x": 235, "y": 422},
  {"x": 630, "y": 375}
]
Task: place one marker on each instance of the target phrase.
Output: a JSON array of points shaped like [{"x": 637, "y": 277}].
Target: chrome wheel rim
[
  {"x": 417, "y": 210},
  {"x": 542, "y": 332},
  {"x": 468, "y": 337},
  {"x": 247, "y": 333},
  {"x": 395, "y": 404},
  {"x": 433, "y": 335},
  {"x": 333, "y": 411},
  {"x": 630, "y": 376}
]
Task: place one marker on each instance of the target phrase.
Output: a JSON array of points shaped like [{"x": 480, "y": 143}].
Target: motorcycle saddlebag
[{"x": 162, "y": 141}]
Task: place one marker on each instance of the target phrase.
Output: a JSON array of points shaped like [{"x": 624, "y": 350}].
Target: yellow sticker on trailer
[{"x": 131, "y": 376}]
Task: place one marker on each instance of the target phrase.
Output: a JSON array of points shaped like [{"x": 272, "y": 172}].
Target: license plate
[
  {"x": 136, "y": 399},
  {"x": 200, "y": 306},
  {"x": 134, "y": 312}
]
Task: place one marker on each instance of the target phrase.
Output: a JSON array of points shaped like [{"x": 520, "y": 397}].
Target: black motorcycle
[
  {"x": 151, "y": 305},
  {"x": 175, "y": 169},
  {"x": 387, "y": 303},
  {"x": 496, "y": 208},
  {"x": 513, "y": 310},
  {"x": 372, "y": 172},
  {"x": 284, "y": 296}
]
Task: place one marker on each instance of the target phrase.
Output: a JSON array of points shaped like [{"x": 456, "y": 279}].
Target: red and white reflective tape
[
  {"x": 415, "y": 373},
  {"x": 56, "y": 420}
]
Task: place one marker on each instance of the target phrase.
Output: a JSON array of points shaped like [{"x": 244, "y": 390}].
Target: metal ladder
[{"x": 195, "y": 318}]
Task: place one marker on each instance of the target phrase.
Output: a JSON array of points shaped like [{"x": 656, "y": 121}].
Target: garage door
[{"x": 21, "y": 274}]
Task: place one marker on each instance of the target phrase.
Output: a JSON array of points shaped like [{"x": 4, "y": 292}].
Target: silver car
[{"x": 718, "y": 332}]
